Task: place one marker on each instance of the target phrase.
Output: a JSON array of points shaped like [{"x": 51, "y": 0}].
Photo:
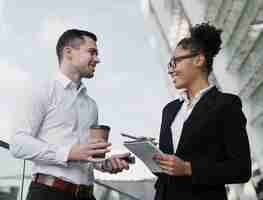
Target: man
[
  {"x": 203, "y": 133},
  {"x": 53, "y": 126}
]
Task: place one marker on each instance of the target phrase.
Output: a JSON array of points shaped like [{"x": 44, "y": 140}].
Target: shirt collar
[
  {"x": 183, "y": 96},
  {"x": 63, "y": 79},
  {"x": 67, "y": 83}
]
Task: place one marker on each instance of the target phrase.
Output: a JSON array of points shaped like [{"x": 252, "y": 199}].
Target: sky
[{"x": 129, "y": 85}]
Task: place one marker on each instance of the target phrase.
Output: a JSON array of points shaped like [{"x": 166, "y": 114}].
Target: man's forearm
[{"x": 29, "y": 148}]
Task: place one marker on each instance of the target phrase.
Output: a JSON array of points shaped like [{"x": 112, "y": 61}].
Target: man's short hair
[{"x": 69, "y": 37}]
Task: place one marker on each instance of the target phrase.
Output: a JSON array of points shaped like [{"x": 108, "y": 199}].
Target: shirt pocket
[
  {"x": 69, "y": 116},
  {"x": 64, "y": 116}
]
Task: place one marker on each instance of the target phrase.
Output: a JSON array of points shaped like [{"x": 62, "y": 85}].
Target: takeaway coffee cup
[{"x": 98, "y": 133}]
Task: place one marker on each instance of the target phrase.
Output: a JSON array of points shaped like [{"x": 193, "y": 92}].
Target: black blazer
[{"x": 214, "y": 140}]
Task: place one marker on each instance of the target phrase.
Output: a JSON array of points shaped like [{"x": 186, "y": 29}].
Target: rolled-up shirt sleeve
[{"x": 24, "y": 142}]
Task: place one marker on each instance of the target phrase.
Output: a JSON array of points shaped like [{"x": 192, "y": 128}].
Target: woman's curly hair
[{"x": 204, "y": 38}]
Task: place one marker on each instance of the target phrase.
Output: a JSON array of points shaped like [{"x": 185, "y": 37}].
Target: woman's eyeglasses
[{"x": 176, "y": 60}]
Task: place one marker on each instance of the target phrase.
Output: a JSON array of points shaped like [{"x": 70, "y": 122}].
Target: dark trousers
[{"x": 39, "y": 191}]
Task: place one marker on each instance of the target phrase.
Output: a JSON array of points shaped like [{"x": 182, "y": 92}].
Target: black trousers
[{"x": 39, "y": 191}]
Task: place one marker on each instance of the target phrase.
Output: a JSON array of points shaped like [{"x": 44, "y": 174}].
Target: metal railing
[{"x": 15, "y": 182}]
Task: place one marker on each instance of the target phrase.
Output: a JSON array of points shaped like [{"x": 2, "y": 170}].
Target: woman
[{"x": 203, "y": 133}]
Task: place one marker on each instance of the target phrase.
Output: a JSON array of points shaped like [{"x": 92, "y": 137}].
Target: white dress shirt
[
  {"x": 184, "y": 113},
  {"x": 53, "y": 118}
]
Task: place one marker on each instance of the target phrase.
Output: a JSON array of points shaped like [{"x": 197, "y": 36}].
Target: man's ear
[
  {"x": 199, "y": 60},
  {"x": 67, "y": 51}
]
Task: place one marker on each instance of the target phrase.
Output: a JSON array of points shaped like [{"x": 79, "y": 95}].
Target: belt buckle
[{"x": 84, "y": 191}]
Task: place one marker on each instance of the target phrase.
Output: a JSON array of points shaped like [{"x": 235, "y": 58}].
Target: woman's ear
[{"x": 199, "y": 60}]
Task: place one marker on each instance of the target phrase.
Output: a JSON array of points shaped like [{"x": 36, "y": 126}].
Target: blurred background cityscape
[{"x": 131, "y": 86}]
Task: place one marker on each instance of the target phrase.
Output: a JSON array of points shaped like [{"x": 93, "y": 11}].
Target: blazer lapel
[
  {"x": 199, "y": 115},
  {"x": 172, "y": 113},
  {"x": 166, "y": 139}
]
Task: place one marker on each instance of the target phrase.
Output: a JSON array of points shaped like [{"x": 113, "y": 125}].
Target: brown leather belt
[{"x": 78, "y": 190}]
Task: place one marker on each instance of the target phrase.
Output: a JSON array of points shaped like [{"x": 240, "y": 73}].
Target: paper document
[{"x": 145, "y": 150}]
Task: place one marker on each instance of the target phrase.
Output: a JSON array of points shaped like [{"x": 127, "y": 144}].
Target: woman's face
[{"x": 182, "y": 69}]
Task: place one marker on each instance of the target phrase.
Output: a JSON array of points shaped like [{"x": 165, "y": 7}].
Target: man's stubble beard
[{"x": 88, "y": 75}]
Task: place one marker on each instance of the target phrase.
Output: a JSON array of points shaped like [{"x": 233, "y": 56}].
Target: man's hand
[
  {"x": 86, "y": 151},
  {"x": 173, "y": 165},
  {"x": 116, "y": 164}
]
